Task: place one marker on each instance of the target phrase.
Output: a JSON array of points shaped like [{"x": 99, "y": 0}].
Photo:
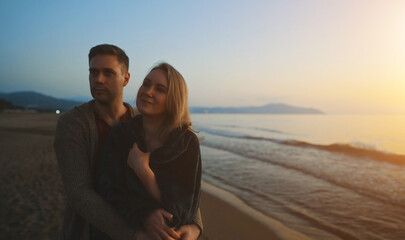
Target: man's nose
[{"x": 99, "y": 78}]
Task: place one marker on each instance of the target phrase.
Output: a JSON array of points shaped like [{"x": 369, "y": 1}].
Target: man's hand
[
  {"x": 156, "y": 227},
  {"x": 189, "y": 232}
]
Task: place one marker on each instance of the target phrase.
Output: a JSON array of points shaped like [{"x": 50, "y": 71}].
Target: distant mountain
[
  {"x": 275, "y": 108},
  {"x": 36, "y": 100},
  {"x": 30, "y": 99}
]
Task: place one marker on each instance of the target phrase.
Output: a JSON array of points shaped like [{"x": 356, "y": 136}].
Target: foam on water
[
  {"x": 327, "y": 191},
  {"x": 375, "y": 179}
]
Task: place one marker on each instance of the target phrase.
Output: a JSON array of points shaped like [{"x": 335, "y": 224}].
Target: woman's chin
[
  {"x": 146, "y": 112},
  {"x": 152, "y": 114}
]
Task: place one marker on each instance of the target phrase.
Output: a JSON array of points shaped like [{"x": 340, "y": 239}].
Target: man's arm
[{"x": 71, "y": 152}]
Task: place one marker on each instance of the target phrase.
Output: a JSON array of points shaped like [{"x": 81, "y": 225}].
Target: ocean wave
[
  {"x": 358, "y": 151},
  {"x": 256, "y": 128},
  {"x": 383, "y": 183},
  {"x": 354, "y": 149}
]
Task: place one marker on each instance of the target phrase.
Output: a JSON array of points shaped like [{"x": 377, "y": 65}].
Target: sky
[{"x": 338, "y": 56}]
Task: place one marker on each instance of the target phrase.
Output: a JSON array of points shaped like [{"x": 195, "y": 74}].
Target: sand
[
  {"x": 31, "y": 192},
  {"x": 225, "y": 216},
  {"x": 33, "y": 200}
]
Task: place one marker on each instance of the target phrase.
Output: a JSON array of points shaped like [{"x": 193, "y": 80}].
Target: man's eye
[
  {"x": 109, "y": 73},
  {"x": 93, "y": 72},
  {"x": 145, "y": 84}
]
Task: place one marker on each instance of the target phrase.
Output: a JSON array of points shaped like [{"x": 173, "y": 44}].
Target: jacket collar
[{"x": 175, "y": 145}]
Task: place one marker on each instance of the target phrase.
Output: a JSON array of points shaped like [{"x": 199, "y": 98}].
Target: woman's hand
[
  {"x": 138, "y": 160},
  {"x": 189, "y": 232}
]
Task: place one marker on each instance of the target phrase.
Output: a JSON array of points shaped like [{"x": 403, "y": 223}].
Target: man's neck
[{"x": 110, "y": 113}]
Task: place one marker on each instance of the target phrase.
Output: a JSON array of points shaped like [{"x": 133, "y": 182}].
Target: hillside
[
  {"x": 34, "y": 100},
  {"x": 30, "y": 99}
]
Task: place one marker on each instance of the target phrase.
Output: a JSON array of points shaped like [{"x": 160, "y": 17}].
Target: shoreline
[{"x": 225, "y": 216}]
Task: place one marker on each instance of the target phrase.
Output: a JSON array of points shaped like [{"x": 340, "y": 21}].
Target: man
[{"x": 79, "y": 137}]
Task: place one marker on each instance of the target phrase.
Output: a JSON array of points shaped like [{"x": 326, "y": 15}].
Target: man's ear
[{"x": 127, "y": 75}]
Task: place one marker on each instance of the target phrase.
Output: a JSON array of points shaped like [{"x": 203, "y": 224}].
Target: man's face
[{"x": 107, "y": 79}]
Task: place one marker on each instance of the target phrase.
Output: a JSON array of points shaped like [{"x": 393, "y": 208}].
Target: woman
[{"x": 153, "y": 161}]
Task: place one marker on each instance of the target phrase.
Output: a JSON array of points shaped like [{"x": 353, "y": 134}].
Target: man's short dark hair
[{"x": 108, "y": 49}]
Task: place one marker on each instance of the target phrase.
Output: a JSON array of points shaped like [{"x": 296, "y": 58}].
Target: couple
[{"x": 130, "y": 176}]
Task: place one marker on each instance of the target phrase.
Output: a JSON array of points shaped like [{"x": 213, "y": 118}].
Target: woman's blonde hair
[{"x": 178, "y": 114}]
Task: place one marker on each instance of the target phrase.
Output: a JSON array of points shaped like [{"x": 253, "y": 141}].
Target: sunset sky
[{"x": 342, "y": 56}]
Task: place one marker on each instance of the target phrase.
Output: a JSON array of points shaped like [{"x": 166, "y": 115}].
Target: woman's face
[{"x": 151, "y": 98}]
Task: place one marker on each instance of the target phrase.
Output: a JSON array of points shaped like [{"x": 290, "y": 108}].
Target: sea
[{"x": 326, "y": 176}]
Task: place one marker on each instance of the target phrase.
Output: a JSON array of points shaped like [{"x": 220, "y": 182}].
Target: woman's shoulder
[
  {"x": 190, "y": 137},
  {"x": 181, "y": 138},
  {"x": 191, "y": 134}
]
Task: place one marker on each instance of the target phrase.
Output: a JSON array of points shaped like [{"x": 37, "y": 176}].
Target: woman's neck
[{"x": 152, "y": 128}]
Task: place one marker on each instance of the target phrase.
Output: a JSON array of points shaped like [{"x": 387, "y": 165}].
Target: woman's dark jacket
[{"x": 176, "y": 165}]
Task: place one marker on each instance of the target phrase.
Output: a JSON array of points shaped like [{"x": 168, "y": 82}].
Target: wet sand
[{"x": 227, "y": 217}]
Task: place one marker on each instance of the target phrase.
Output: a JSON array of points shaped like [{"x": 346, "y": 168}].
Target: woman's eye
[{"x": 160, "y": 89}]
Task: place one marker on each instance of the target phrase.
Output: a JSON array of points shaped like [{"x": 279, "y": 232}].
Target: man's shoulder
[
  {"x": 132, "y": 111},
  {"x": 79, "y": 113}
]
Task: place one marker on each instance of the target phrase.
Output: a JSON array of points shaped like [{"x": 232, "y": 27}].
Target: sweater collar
[{"x": 173, "y": 147}]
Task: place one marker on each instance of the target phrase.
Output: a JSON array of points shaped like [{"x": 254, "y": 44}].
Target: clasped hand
[
  {"x": 138, "y": 160},
  {"x": 155, "y": 228}
]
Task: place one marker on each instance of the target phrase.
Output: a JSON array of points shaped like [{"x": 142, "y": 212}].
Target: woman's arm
[
  {"x": 139, "y": 162},
  {"x": 179, "y": 179}
]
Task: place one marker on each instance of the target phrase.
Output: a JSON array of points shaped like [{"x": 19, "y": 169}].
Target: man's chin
[{"x": 104, "y": 100}]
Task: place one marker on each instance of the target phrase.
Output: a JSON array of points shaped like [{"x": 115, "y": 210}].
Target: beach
[
  {"x": 32, "y": 196},
  {"x": 227, "y": 217},
  {"x": 33, "y": 199}
]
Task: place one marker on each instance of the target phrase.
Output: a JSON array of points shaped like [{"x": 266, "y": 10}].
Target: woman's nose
[{"x": 149, "y": 92}]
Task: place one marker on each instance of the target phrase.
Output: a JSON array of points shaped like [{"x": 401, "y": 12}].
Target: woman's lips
[{"x": 146, "y": 101}]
